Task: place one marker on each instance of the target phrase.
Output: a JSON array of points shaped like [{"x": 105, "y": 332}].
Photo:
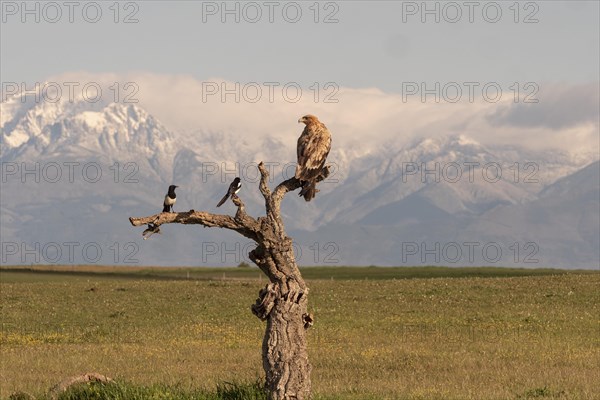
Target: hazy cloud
[
  {"x": 366, "y": 119},
  {"x": 559, "y": 107}
]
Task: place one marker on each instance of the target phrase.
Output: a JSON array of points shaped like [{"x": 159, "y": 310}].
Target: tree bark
[{"x": 283, "y": 302}]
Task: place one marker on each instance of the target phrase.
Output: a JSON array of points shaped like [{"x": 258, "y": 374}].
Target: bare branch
[
  {"x": 264, "y": 179},
  {"x": 189, "y": 217},
  {"x": 241, "y": 223},
  {"x": 246, "y": 226},
  {"x": 289, "y": 185},
  {"x": 241, "y": 216},
  {"x": 292, "y": 184}
]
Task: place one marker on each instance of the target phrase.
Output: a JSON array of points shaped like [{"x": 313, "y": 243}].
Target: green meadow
[{"x": 379, "y": 333}]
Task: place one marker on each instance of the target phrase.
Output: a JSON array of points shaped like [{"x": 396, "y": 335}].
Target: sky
[{"x": 525, "y": 70}]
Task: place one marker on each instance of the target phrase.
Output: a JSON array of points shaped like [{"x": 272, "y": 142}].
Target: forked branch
[
  {"x": 241, "y": 223},
  {"x": 273, "y": 199}
]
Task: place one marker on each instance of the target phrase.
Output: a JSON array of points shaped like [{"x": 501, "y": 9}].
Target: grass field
[{"x": 379, "y": 333}]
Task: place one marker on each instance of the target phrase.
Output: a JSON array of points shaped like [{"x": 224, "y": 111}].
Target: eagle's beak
[{"x": 301, "y": 120}]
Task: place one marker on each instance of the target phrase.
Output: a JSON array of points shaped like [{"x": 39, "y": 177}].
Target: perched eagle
[{"x": 313, "y": 147}]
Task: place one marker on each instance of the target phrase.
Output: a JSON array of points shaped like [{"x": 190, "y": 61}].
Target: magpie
[
  {"x": 235, "y": 187},
  {"x": 170, "y": 199}
]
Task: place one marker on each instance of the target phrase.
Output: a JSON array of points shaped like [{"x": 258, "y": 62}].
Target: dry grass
[{"x": 445, "y": 338}]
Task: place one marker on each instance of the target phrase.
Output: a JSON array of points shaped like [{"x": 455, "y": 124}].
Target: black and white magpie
[
  {"x": 170, "y": 199},
  {"x": 235, "y": 187}
]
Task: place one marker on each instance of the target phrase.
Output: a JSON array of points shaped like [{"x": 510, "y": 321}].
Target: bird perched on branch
[
  {"x": 313, "y": 148},
  {"x": 235, "y": 187},
  {"x": 170, "y": 199}
]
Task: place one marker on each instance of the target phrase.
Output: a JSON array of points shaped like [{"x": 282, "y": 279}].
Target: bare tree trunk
[
  {"x": 283, "y": 302},
  {"x": 285, "y": 355}
]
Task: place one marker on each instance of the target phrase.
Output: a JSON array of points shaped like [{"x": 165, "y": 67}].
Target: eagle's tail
[
  {"x": 308, "y": 191},
  {"x": 223, "y": 200}
]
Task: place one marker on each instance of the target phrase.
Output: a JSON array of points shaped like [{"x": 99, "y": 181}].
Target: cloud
[
  {"x": 559, "y": 107},
  {"x": 364, "y": 119}
]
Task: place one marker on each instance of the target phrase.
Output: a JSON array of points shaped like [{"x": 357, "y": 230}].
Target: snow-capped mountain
[
  {"x": 82, "y": 130},
  {"x": 75, "y": 171}
]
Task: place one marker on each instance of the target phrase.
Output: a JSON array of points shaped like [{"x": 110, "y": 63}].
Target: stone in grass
[{"x": 75, "y": 380}]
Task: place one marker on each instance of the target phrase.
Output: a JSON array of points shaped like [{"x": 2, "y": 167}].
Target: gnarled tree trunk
[{"x": 283, "y": 302}]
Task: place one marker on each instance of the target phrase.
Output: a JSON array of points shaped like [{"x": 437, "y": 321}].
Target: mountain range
[{"x": 73, "y": 172}]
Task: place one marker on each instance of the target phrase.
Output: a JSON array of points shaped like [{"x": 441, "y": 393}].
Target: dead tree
[{"x": 283, "y": 302}]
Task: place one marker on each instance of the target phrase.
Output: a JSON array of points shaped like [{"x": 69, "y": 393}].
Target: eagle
[{"x": 313, "y": 148}]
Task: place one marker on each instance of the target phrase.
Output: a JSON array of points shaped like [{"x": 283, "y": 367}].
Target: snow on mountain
[
  {"x": 457, "y": 174},
  {"x": 434, "y": 190},
  {"x": 82, "y": 130}
]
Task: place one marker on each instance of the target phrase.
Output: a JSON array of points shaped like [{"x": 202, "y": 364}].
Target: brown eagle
[{"x": 313, "y": 147}]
